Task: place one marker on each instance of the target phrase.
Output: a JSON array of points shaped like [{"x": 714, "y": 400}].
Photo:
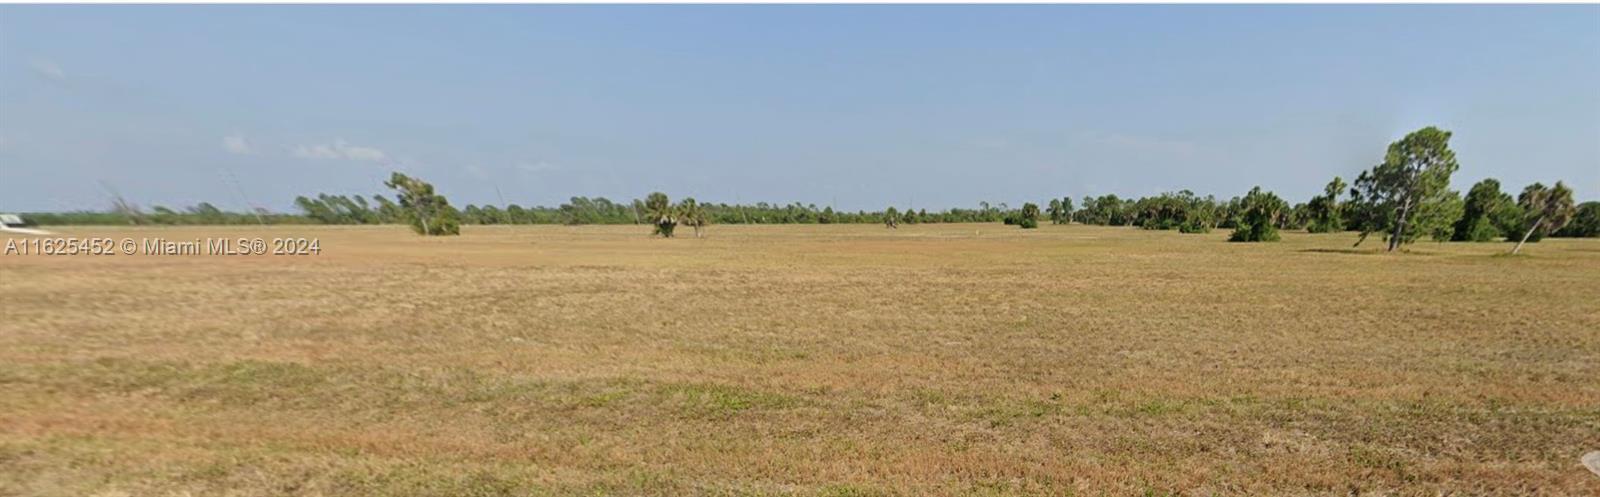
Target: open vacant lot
[{"x": 809, "y": 360}]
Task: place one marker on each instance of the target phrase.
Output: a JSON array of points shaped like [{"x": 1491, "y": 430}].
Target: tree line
[
  {"x": 1404, "y": 198},
  {"x": 203, "y": 213}
]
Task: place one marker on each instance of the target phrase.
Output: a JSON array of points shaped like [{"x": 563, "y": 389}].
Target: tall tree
[
  {"x": 1546, "y": 209},
  {"x": 1415, "y": 171},
  {"x": 428, "y": 212}
]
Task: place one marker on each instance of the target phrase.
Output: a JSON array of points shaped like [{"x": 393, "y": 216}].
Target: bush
[
  {"x": 1260, "y": 210},
  {"x": 1029, "y": 219}
]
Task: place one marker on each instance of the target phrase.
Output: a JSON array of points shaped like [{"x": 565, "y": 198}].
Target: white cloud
[
  {"x": 48, "y": 70},
  {"x": 339, "y": 149},
  {"x": 237, "y": 144}
]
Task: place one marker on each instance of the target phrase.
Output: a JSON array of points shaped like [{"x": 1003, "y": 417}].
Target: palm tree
[
  {"x": 692, "y": 214},
  {"x": 1549, "y": 208},
  {"x": 661, "y": 214}
]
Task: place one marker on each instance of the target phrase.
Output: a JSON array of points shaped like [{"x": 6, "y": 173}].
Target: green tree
[
  {"x": 692, "y": 214},
  {"x": 1060, "y": 210},
  {"x": 1484, "y": 205},
  {"x": 1183, "y": 211},
  {"x": 659, "y": 211},
  {"x": 1585, "y": 224},
  {"x": 1199, "y": 215},
  {"x": 388, "y": 211},
  {"x": 1323, "y": 211},
  {"x": 428, "y": 212},
  {"x": 492, "y": 215},
  {"x": 1105, "y": 210},
  {"x": 1415, "y": 172},
  {"x": 205, "y": 213},
  {"x": 1436, "y": 220},
  {"x": 515, "y": 214},
  {"x": 1295, "y": 218},
  {"x": 316, "y": 209},
  {"x": 891, "y": 218},
  {"x": 1030, "y": 216},
  {"x": 1363, "y": 215},
  {"x": 1258, "y": 216},
  {"x": 1546, "y": 209},
  {"x": 163, "y": 215}
]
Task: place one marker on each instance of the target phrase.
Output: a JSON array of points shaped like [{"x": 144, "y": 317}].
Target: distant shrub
[
  {"x": 1029, "y": 218},
  {"x": 1195, "y": 225},
  {"x": 1256, "y": 224}
]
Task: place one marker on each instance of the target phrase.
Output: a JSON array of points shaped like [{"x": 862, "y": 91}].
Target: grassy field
[{"x": 804, "y": 360}]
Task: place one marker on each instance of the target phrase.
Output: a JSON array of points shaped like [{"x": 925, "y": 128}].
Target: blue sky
[{"x": 856, "y": 106}]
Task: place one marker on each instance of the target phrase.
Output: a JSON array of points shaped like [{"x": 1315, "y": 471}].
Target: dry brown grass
[{"x": 819, "y": 360}]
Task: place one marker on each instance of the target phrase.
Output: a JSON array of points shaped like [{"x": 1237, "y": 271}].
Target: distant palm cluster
[{"x": 1405, "y": 198}]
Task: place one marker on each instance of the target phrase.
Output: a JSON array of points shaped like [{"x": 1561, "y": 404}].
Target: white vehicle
[{"x": 12, "y": 223}]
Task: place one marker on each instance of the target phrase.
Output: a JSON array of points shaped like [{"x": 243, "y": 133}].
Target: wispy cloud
[
  {"x": 339, "y": 149},
  {"x": 237, "y": 144},
  {"x": 48, "y": 69}
]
